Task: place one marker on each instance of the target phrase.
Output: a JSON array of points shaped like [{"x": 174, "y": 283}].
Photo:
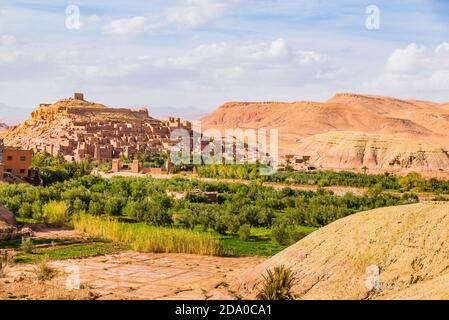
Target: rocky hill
[
  {"x": 344, "y": 132},
  {"x": 388, "y": 253},
  {"x": 51, "y": 122}
]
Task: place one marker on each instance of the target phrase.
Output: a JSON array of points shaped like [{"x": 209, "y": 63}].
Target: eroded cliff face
[
  {"x": 350, "y": 131},
  {"x": 354, "y": 150}
]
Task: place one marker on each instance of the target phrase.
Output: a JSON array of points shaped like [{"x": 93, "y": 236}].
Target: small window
[
  {"x": 23, "y": 158},
  {"x": 9, "y": 170},
  {"x": 9, "y": 158},
  {"x": 22, "y": 170}
]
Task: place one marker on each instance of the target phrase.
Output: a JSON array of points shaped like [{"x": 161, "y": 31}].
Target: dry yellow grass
[{"x": 144, "y": 238}]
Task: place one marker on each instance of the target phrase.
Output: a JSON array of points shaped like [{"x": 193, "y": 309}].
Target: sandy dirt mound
[{"x": 388, "y": 253}]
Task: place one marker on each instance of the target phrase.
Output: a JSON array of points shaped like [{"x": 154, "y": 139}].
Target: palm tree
[{"x": 365, "y": 169}]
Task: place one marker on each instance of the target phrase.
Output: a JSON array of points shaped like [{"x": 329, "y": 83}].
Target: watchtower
[{"x": 79, "y": 96}]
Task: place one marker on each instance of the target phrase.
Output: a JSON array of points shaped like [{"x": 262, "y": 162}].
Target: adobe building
[
  {"x": 89, "y": 130},
  {"x": 135, "y": 166},
  {"x": 78, "y": 96},
  {"x": 15, "y": 161},
  {"x": 115, "y": 165}
]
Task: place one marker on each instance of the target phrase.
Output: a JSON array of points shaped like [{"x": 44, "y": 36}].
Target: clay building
[
  {"x": 80, "y": 129},
  {"x": 110, "y": 139},
  {"x": 15, "y": 161},
  {"x": 79, "y": 96}
]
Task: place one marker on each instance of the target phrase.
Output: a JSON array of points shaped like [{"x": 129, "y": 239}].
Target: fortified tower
[{"x": 79, "y": 96}]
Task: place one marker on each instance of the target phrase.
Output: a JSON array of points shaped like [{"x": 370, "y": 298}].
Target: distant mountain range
[
  {"x": 11, "y": 115},
  {"x": 350, "y": 131}
]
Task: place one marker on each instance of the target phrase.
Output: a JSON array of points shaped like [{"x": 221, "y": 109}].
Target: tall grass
[{"x": 144, "y": 238}]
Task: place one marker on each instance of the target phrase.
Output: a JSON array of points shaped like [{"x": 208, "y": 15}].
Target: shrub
[
  {"x": 277, "y": 285},
  {"x": 284, "y": 234},
  {"x": 78, "y": 205},
  {"x": 26, "y": 245},
  {"x": 25, "y": 211},
  {"x": 95, "y": 208},
  {"x": 245, "y": 232},
  {"x": 43, "y": 271},
  {"x": 4, "y": 262},
  {"x": 113, "y": 206},
  {"x": 55, "y": 213},
  {"x": 37, "y": 210}
]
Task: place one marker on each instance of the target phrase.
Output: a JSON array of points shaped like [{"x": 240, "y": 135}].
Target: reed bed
[{"x": 145, "y": 238}]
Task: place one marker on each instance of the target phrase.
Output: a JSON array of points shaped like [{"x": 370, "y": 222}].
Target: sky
[{"x": 187, "y": 57}]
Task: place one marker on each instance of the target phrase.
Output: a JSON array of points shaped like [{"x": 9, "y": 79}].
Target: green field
[
  {"x": 209, "y": 218},
  {"x": 259, "y": 244},
  {"x": 70, "y": 252}
]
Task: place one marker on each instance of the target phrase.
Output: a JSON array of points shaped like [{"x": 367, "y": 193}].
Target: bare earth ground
[
  {"x": 128, "y": 275},
  {"x": 131, "y": 275}
]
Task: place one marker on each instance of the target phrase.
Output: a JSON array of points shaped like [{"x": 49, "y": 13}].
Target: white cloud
[
  {"x": 257, "y": 53},
  {"x": 94, "y": 18},
  {"x": 7, "y": 39},
  {"x": 278, "y": 49},
  {"x": 415, "y": 69},
  {"x": 127, "y": 27},
  {"x": 120, "y": 69},
  {"x": 8, "y": 57},
  {"x": 406, "y": 60},
  {"x": 259, "y": 63},
  {"x": 190, "y": 13},
  {"x": 197, "y": 12}
]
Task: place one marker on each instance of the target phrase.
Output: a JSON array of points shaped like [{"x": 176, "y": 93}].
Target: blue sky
[{"x": 186, "y": 57}]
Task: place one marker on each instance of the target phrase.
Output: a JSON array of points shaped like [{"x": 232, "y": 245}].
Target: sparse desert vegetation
[
  {"x": 278, "y": 284},
  {"x": 43, "y": 271}
]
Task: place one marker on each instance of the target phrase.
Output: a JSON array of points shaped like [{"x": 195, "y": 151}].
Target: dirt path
[{"x": 134, "y": 275}]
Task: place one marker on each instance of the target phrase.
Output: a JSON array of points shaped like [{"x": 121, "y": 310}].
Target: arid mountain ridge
[{"x": 351, "y": 131}]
